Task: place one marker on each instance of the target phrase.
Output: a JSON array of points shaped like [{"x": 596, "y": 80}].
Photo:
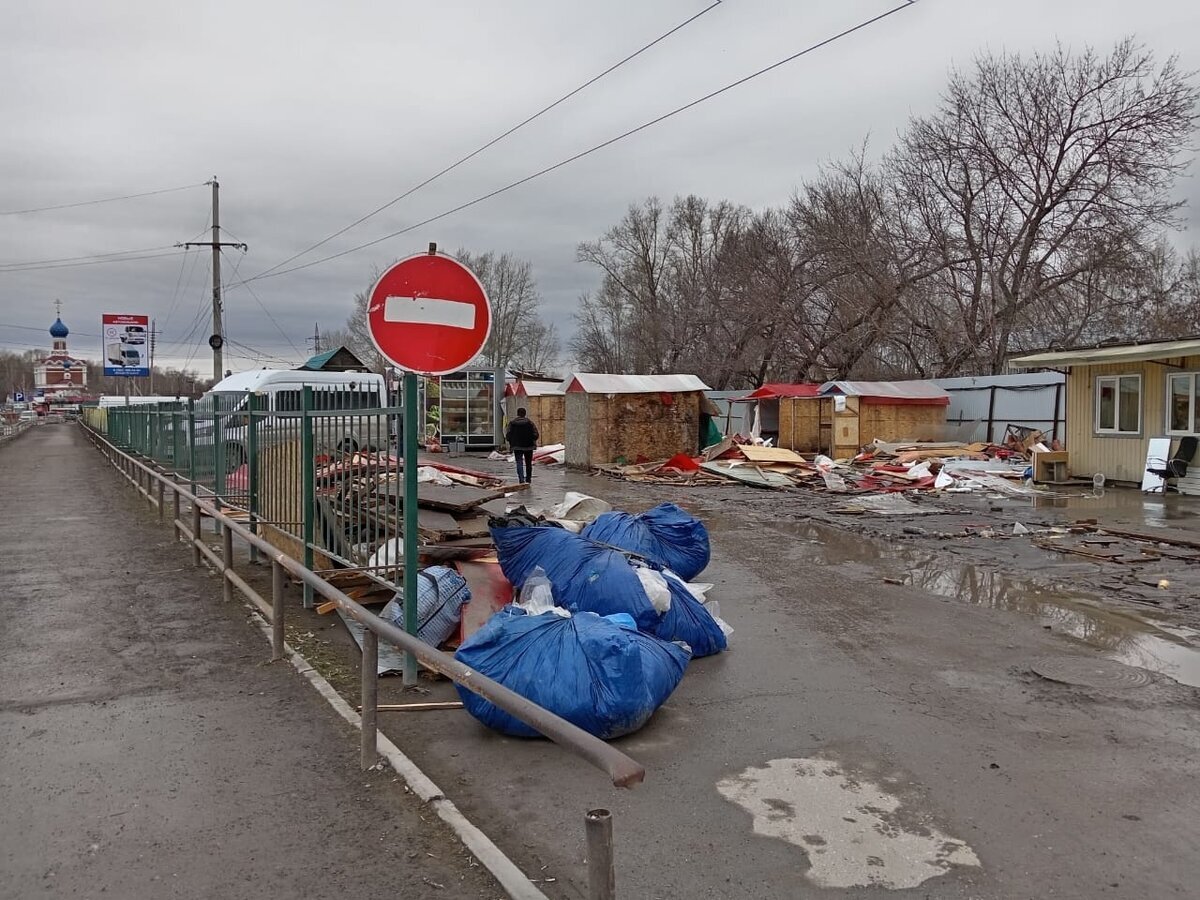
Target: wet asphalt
[
  {"x": 883, "y": 691},
  {"x": 148, "y": 748}
]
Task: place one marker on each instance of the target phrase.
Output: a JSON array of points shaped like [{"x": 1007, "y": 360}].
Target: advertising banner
[{"x": 126, "y": 347}]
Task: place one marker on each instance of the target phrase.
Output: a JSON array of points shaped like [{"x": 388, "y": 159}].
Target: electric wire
[
  {"x": 515, "y": 128},
  {"x": 608, "y": 143},
  {"x": 24, "y": 267},
  {"x": 263, "y": 306},
  {"x": 39, "y": 209}
]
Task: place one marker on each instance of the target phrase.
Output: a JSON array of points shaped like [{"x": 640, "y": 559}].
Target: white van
[{"x": 350, "y": 399}]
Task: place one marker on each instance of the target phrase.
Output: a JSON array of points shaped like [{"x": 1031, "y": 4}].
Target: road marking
[
  {"x": 429, "y": 311},
  {"x": 854, "y": 833}
]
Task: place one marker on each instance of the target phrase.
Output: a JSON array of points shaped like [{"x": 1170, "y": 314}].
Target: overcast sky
[{"x": 314, "y": 113}]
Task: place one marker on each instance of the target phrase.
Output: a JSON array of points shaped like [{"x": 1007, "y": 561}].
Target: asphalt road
[
  {"x": 148, "y": 749},
  {"x": 860, "y": 739}
]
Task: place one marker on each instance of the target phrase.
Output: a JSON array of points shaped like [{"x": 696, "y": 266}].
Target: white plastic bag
[
  {"x": 714, "y": 610},
  {"x": 823, "y": 463},
  {"x": 943, "y": 481},
  {"x": 655, "y": 586},
  {"x": 537, "y": 595},
  {"x": 430, "y": 475}
]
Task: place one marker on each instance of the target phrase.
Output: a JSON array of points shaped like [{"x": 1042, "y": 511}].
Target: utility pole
[{"x": 217, "y": 339}]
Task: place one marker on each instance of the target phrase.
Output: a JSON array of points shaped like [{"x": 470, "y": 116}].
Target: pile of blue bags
[{"x": 632, "y": 627}]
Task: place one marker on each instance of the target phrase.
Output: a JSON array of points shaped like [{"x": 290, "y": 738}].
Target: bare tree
[{"x": 1035, "y": 173}]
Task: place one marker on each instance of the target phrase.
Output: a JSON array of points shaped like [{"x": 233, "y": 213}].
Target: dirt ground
[{"x": 881, "y": 677}]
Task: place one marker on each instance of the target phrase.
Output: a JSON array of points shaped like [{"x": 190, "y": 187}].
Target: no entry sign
[{"x": 429, "y": 314}]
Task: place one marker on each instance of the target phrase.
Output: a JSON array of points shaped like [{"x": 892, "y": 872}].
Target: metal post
[
  {"x": 410, "y": 521},
  {"x": 252, "y": 405},
  {"x": 195, "y": 532},
  {"x": 370, "y": 696},
  {"x": 218, "y": 332},
  {"x": 218, "y": 457},
  {"x": 307, "y": 464},
  {"x": 277, "y": 584},
  {"x": 191, "y": 426},
  {"x": 227, "y": 559},
  {"x": 602, "y": 877},
  {"x": 161, "y": 504},
  {"x": 175, "y": 504}
]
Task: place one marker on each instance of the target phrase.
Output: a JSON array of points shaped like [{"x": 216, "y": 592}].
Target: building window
[
  {"x": 1182, "y": 396},
  {"x": 1119, "y": 404}
]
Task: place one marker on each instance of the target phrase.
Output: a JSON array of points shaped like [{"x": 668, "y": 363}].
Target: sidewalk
[{"x": 148, "y": 749}]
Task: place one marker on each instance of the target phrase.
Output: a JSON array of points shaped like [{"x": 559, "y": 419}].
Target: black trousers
[{"x": 524, "y": 457}]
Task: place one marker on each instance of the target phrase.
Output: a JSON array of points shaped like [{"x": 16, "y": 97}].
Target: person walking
[{"x": 522, "y": 436}]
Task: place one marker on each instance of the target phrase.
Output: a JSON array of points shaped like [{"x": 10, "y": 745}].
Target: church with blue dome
[{"x": 59, "y": 378}]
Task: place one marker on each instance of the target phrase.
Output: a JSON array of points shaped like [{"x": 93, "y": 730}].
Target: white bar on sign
[{"x": 429, "y": 311}]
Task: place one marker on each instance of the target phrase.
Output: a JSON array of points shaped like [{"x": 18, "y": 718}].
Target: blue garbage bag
[
  {"x": 666, "y": 534},
  {"x": 687, "y": 620},
  {"x": 603, "y": 676},
  {"x": 586, "y": 576},
  {"x": 441, "y": 593}
]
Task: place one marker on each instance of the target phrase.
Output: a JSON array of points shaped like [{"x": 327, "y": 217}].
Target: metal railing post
[
  {"x": 161, "y": 505},
  {"x": 227, "y": 559},
  {"x": 602, "y": 877},
  {"x": 253, "y": 401},
  {"x": 218, "y": 458},
  {"x": 191, "y": 426},
  {"x": 308, "y": 475},
  {"x": 370, "y": 697},
  {"x": 175, "y": 505},
  {"x": 195, "y": 531},
  {"x": 277, "y": 584}
]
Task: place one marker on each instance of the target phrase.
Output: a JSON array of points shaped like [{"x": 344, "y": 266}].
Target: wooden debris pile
[
  {"x": 880, "y": 468},
  {"x": 359, "y": 510}
]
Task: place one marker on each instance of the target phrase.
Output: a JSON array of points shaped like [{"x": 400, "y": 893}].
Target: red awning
[{"x": 775, "y": 391}]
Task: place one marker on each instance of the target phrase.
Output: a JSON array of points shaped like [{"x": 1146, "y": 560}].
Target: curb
[{"x": 516, "y": 884}]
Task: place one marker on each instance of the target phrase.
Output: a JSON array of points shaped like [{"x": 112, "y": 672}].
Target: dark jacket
[{"x": 521, "y": 433}]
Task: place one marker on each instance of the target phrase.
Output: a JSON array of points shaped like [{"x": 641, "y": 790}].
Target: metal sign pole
[{"x": 410, "y": 521}]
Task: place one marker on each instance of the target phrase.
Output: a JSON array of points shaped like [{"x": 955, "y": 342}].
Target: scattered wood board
[
  {"x": 758, "y": 454},
  {"x": 460, "y": 498}
]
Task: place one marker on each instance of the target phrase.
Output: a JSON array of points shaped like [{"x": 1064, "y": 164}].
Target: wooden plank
[
  {"x": 475, "y": 526},
  {"x": 771, "y": 455},
  {"x": 435, "y": 520},
  {"x": 459, "y": 498},
  {"x": 1151, "y": 538}
]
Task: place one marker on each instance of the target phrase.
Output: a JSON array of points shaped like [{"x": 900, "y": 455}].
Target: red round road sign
[{"x": 429, "y": 314}]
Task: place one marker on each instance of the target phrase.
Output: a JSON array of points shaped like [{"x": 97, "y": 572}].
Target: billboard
[{"x": 126, "y": 344}]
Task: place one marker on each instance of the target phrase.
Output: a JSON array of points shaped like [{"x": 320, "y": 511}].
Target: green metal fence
[{"x": 312, "y": 468}]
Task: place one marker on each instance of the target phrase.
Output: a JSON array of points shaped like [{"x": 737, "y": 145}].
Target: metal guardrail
[{"x": 154, "y": 486}]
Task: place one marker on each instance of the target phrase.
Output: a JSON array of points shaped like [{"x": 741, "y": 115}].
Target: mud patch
[{"x": 854, "y": 833}]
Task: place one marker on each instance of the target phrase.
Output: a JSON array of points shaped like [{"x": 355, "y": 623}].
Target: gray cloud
[{"x": 312, "y": 113}]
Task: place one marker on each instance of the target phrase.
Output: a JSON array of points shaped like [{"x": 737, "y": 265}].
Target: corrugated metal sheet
[
  {"x": 887, "y": 390},
  {"x": 596, "y": 383}
]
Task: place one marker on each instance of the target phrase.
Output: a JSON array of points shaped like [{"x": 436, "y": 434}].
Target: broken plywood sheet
[
  {"x": 459, "y": 498},
  {"x": 772, "y": 455},
  {"x": 884, "y": 505}
]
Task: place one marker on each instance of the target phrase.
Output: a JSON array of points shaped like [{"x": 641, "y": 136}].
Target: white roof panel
[
  {"x": 908, "y": 390},
  {"x": 597, "y": 383},
  {"x": 1112, "y": 354}
]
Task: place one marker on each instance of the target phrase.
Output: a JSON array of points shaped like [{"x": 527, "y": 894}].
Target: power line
[
  {"x": 608, "y": 143},
  {"x": 450, "y": 168},
  {"x": 168, "y": 251},
  {"x": 86, "y": 256},
  {"x": 21, "y": 212},
  {"x": 263, "y": 306}
]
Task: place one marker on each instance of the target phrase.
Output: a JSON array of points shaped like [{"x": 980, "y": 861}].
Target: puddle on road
[
  {"x": 854, "y": 833},
  {"x": 1122, "y": 635}
]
